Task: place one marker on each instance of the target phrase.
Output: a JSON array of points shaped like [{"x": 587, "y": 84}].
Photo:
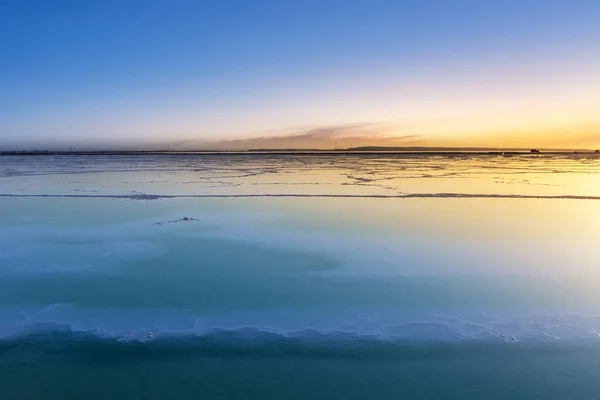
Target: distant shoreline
[{"x": 353, "y": 151}]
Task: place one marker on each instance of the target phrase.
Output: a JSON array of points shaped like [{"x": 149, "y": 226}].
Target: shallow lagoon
[{"x": 374, "y": 278}]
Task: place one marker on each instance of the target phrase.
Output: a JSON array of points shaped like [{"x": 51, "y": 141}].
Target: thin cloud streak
[
  {"x": 325, "y": 137},
  {"x": 406, "y": 135}
]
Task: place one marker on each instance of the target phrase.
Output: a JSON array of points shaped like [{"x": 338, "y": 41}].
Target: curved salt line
[{"x": 366, "y": 196}]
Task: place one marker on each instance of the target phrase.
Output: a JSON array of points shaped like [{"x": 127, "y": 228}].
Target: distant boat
[{"x": 535, "y": 151}]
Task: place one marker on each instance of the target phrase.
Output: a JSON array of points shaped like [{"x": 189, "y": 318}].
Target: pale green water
[{"x": 301, "y": 297}]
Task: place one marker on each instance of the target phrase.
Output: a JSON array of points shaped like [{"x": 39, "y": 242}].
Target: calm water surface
[{"x": 299, "y": 277}]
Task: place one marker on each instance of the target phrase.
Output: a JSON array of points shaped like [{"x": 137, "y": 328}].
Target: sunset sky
[{"x": 244, "y": 74}]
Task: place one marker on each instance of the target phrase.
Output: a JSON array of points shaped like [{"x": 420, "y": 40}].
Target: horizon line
[{"x": 351, "y": 150}]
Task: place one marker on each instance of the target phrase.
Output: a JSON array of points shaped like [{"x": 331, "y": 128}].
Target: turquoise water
[
  {"x": 117, "y": 284},
  {"x": 79, "y": 369}
]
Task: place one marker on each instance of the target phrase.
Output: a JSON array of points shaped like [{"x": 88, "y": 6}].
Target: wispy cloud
[{"x": 323, "y": 137}]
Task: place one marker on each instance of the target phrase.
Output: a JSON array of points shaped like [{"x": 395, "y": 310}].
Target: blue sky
[{"x": 98, "y": 72}]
